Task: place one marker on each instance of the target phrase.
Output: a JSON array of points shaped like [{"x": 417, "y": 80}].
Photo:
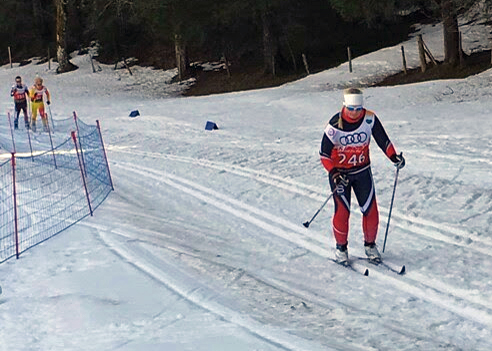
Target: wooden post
[
  {"x": 292, "y": 57},
  {"x": 127, "y": 67},
  {"x": 429, "y": 54},
  {"x": 92, "y": 64},
  {"x": 349, "y": 58},
  {"x": 273, "y": 65},
  {"x": 10, "y": 57},
  {"x": 462, "y": 58},
  {"x": 182, "y": 61},
  {"x": 304, "y": 59},
  {"x": 490, "y": 44},
  {"x": 423, "y": 63},
  {"x": 404, "y": 60},
  {"x": 226, "y": 65},
  {"x": 49, "y": 59}
]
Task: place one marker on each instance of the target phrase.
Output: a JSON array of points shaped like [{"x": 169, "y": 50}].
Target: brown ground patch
[
  {"x": 474, "y": 64},
  {"x": 216, "y": 82}
]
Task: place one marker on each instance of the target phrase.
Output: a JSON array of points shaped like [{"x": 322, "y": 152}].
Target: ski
[
  {"x": 353, "y": 267},
  {"x": 398, "y": 269}
]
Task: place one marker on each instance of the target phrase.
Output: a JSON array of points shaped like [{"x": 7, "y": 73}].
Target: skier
[
  {"x": 20, "y": 93},
  {"x": 345, "y": 155},
  {"x": 36, "y": 93}
]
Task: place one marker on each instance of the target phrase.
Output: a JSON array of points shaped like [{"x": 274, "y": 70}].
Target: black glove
[
  {"x": 398, "y": 160},
  {"x": 338, "y": 177},
  {"x": 48, "y": 102}
]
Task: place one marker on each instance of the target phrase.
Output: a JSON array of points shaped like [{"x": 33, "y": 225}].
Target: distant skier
[
  {"x": 20, "y": 93},
  {"x": 36, "y": 93},
  {"x": 345, "y": 155}
]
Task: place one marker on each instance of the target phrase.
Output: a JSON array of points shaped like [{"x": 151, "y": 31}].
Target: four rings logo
[{"x": 355, "y": 138}]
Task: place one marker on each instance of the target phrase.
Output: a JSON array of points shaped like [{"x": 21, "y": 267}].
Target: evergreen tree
[{"x": 446, "y": 11}]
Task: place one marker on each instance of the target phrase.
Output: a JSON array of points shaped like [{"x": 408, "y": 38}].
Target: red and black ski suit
[{"x": 345, "y": 148}]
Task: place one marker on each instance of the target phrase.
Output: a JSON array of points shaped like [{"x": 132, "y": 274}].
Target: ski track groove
[
  {"x": 204, "y": 297},
  {"x": 418, "y": 226},
  {"x": 432, "y": 294},
  {"x": 153, "y": 238}
]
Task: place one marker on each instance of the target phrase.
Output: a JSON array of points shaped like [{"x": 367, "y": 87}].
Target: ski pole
[
  {"x": 306, "y": 224},
  {"x": 51, "y": 117},
  {"x": 391, "y": 207},
  {"x": 29, "y": 111}
]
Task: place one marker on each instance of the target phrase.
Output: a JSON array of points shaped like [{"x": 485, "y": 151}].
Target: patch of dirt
[
  {"x": 216, "y": 82},
  {"x": 473, "y": 64}
]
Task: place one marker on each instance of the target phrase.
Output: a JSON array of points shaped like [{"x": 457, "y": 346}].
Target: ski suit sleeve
[
  {"x": 325, "y": 153},
  {"x": 31, "y": 94},
  {"x": 382, "y": 138},
  {"x": 12, "y": 91},
  {"x": 327, "y": 147},
  {"x": 48, "y": 95}
]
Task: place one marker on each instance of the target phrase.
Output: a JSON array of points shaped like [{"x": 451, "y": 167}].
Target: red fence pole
[
  {"x": 52, "y": 147},
  {"x": 104, "y": 152},
  {"x": 82, "y": 171},
  {"x": 11, "y": 132},
  {"x": 81, "y": 147},
  {"x": 14, "y": 192}
]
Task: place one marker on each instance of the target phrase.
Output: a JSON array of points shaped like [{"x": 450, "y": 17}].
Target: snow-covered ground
[{"x": 201, "y": 245}]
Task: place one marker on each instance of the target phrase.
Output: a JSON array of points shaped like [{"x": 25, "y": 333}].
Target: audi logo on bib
[{"x": 355, "y": 138}]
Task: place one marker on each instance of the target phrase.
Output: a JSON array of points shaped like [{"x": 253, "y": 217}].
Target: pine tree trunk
[
  {"x": 37, "y": 15},
  {"x": 451, "y": 34},
  {"x": 268, "y": 45},
  {"x": 64, "y": 65}
]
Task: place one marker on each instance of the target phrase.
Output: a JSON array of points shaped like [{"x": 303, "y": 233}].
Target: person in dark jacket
[
  {"x": 345, "y": 155},
  {"x": 20, "y": 93}
]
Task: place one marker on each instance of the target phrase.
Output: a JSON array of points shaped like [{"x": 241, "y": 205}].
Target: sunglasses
[
  {"x": 18, "y": 81},
  {"x": 354, "y": 108}
]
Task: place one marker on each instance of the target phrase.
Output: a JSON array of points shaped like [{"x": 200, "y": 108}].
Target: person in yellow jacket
[{"x": 36, "y": 93}]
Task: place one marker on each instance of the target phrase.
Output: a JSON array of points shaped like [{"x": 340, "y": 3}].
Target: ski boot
[
  {"x": 33, "y": 126},
  {"x": 372, "y": 252},
  {"x": 16, "y": 124},
  {"x": 341, "y": 255}
]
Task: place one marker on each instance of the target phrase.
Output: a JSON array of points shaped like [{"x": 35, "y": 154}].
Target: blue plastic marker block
[
  {"x": 134, "y": 113},
  {"x": 210, "y": 126}
]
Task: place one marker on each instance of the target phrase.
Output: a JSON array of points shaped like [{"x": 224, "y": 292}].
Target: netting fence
[{"x": 43, "y": 193}]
